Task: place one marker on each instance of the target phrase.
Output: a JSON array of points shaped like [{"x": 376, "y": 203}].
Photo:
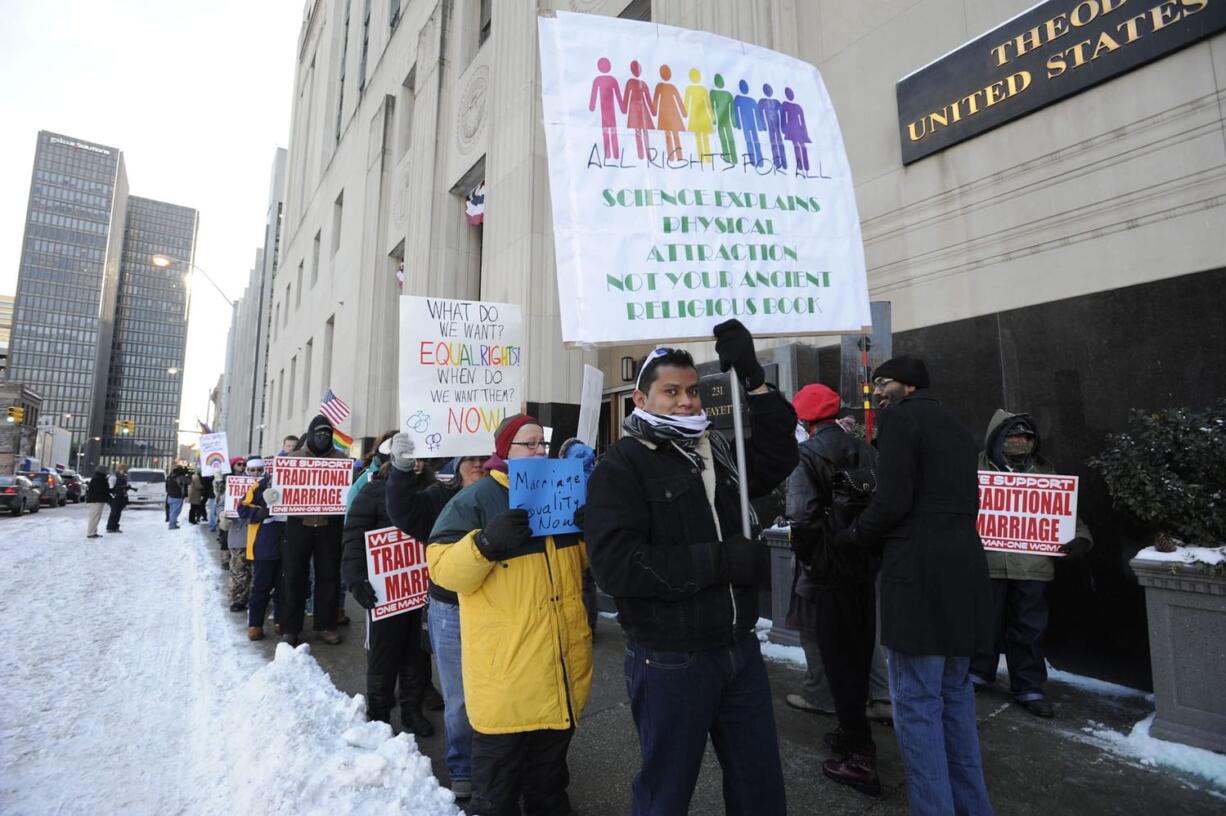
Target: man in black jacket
[
  {"x": 663, "y": 529},
  {"x": 839, "y": 586},
  {"x": 119, "y": 488},
  {"x": 97, "y": 496},
  {"x": 936, "y": 600}
]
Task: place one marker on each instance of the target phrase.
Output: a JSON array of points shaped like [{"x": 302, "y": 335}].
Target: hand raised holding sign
[{"x": 734, "y": 345}]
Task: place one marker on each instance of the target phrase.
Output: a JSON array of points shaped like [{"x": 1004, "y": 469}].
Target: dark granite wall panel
[{"x": 1079, "y": 365}]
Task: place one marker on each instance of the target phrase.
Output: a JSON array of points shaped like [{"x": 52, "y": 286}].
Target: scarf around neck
[{"x": 683, "y": 433}]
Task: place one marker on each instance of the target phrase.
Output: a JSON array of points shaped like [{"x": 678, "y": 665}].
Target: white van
[{"x": 150, "y": 484}]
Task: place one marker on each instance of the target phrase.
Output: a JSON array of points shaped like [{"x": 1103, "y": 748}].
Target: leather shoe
[
  {"x": 1039, "y": 708},
  {"x": 857, "y": 770},
  {"x": 330, "y": 636},
  {"x": 798, "y": 702},
  {"x": 255, "y": 633}
]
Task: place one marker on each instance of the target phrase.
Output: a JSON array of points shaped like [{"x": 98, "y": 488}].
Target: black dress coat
[{"x": 936, "y": 598}]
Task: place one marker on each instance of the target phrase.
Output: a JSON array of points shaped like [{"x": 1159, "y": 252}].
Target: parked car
[
  {"x": 18, "y": 494},
  {"x": 52, "y": 491},
  {"x": 150, "y": 484},
  {"x": 74, "y": 486}
]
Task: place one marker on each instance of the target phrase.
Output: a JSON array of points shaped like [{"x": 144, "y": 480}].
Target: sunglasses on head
[{"x": 648, "y": 361}]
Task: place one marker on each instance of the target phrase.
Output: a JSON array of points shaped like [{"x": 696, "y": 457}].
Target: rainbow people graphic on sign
[
  {"x": 605, "y": 90},
  {"x": 722, "y": 105},
  {"x": 670, "y": 112},
  {"x": 634, "y": 106},
  {"x": 698, "y": 103},
  {"x": 636, "y": 102}
]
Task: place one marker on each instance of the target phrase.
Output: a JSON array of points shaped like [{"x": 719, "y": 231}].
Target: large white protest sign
[
  {"x": 1029, "y": 513},
  {"x": 311, "y": 487},
  {"x": 236, "y": 489},
  {"x": 214, "y": 454},
  {"x": 461, "y": 369},
  {"x": 396, "y": 565},
  {"x": 694, "y": 178}
]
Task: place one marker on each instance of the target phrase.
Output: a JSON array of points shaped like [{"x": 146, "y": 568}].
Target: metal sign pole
[{"x": 738, "y": 435}]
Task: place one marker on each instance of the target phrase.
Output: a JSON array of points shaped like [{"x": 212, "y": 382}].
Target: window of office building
[
  {"x": 487, "y": 10},
  {"x": 365, "y": 46},
  {"x": 315, "y": 258},
  {"x": 338, "y": 213}
]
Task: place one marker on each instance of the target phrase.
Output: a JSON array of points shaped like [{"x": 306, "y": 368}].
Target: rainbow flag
[{"x": 341, "y": 441}]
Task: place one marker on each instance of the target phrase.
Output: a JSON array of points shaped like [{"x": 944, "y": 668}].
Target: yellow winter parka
[{"x": 526, "y": 645}]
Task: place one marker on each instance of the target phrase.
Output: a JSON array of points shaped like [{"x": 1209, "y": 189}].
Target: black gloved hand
[
  {"x": 1077, "y": 548},
  {"x": 734, "y": 345},
  {"x": 581, "y": 517},
  {"x": 804, "y": 541},
  {"x": 364, "y": 594},
  {"x": 743, "y": 561},
  {"x": 505, "y": 532}
]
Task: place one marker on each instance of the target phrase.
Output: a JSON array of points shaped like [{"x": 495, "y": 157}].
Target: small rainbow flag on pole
[{"x": 341, "y": 441}]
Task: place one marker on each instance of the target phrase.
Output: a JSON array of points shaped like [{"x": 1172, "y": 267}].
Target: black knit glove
[
  {"x": 734, "y": 345},
  {"x": 364, "y": 594},
  {"x": 1077, "y": 548},
  {"x": 743, "y": 561},
  {"x": 505, "y": 532},
  {"x": 805, "y": 540}
]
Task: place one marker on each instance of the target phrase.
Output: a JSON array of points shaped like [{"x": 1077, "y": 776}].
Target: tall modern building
[
  {"x": 144, "y": 382},
  {"x": 88, "y": 246}
]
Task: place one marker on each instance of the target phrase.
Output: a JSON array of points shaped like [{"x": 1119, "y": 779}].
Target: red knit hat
[
  {"x": 815, "y": 402},
  {"x": 507, "y": 430}
]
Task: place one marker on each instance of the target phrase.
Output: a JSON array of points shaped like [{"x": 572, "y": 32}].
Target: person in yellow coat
[{"x": 526, "y": 643}]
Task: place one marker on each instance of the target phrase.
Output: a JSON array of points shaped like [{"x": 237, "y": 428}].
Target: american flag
[{"x": 334, "y": 408}]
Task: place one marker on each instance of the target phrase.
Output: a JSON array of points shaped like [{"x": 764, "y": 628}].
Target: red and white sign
[
  {"x": 1029, "y": 513},
  {"x": 396, "y": 564},
  {"x": 236, "y": 488},
  {"x": 311, "y": 487}
]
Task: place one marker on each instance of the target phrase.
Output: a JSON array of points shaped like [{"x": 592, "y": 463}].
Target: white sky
[{"x": 196, "y": 93}]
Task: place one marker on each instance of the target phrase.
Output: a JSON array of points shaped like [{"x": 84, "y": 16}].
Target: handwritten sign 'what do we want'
[{"x": 461, "y": 372}]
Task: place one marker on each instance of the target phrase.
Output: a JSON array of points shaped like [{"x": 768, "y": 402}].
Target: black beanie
[{"x": 907, "y": 370}]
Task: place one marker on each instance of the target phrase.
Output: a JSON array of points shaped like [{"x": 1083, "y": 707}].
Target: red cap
[{"x": 815, "y": 402}]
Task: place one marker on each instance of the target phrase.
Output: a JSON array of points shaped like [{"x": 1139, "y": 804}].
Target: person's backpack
[{"x": 851, "y": 491}]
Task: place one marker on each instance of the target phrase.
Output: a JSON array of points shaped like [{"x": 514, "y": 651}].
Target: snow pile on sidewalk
[
  {"x": 1139, "y": 745},
  {"x": 127, "y": 688},
  {"x": 305, "y": 747},
  {"x": 776, "y": 651}
]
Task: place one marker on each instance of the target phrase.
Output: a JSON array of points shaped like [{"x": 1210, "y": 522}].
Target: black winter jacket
[
  {"x": 176, "y": 484},
  {"x": 119, "y": 493},
  {"x": 652, "y": 538},
  {"x": 99, "y": 490},
  {"x": 414, "y": 502},
  {"x": 368, "y": 512},
  {"x": 810, "y": 490},
  {"x": 936, "y": 598}
]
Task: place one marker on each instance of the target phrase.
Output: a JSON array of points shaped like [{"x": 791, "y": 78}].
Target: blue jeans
[
  {"x": 176, "y": 507},
  {"x": 211, "y": 506},
  {"x": 934, "y": 717},
  {"x": 444, "y": 626},
  {"x": 677, "y": 699}
]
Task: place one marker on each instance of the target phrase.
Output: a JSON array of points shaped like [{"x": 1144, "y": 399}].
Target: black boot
[{"x": 415, "y": 722}]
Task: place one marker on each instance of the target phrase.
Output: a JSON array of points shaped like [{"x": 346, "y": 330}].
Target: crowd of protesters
[{"x": 901, "y": 613}]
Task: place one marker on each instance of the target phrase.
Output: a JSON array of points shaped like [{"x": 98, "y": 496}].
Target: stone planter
[{"x": 1187, "y": 646}]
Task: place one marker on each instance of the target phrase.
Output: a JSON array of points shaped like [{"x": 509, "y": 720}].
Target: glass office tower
[{"x": 145, "y": 379}]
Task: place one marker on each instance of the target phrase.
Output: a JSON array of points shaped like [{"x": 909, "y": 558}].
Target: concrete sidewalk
[{"x": 1032, "y": 765}]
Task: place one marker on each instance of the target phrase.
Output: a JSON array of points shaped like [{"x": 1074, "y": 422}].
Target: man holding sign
[
  {"x": 664, "y": 521},
  {"x": 526, "y": 646},
  {"x": 1019, "y": 580}
]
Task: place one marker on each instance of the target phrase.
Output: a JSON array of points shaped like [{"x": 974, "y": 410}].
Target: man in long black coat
[{"x": 935, "y": 594}]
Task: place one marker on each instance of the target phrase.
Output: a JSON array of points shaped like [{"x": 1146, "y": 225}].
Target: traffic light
[{"x": 16, "y": 414}]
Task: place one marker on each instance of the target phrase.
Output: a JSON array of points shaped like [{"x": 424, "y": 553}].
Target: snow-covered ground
[{"x": 125, "y": 689}]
